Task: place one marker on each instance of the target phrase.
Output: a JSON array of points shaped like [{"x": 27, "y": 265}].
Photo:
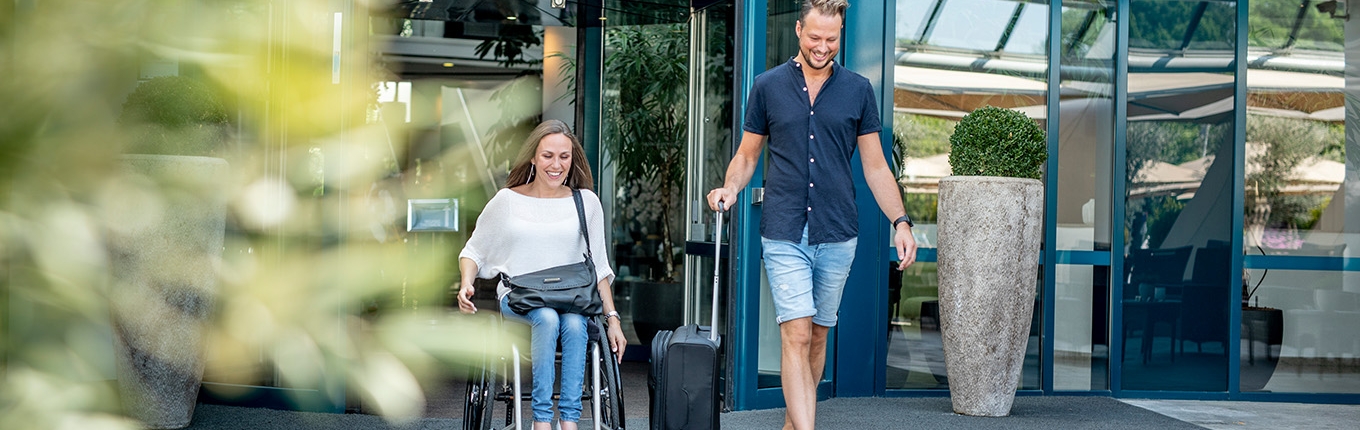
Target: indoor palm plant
[
  {"x": 167, "y": 245},
  {"x": 990, "y": 227}
]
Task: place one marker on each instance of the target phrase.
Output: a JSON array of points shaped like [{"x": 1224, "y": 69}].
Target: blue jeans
[
  {"x": 807, "y": 280},
  {"x": 548, "y": 327}
]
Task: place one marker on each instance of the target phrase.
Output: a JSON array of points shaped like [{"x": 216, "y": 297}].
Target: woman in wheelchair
[{"x": 531, "y": 225}]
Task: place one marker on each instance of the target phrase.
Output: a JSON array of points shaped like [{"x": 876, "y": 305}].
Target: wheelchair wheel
[
  {"x": 611, "y": 395},
  {"x": 480, "y": 401}
]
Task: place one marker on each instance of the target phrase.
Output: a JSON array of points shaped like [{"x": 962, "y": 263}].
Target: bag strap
[{"x": 581, "y": 216}]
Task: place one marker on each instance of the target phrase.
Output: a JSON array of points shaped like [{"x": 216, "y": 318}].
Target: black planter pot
[{"x": 1262, "y": 334}]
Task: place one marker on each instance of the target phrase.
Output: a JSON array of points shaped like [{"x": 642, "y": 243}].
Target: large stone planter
[
  {"x": 165, "y": 248},
  {"x": 989, "y": 234}
]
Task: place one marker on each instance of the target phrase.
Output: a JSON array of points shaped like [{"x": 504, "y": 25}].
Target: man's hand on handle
[{"x": 723, "y": 195}]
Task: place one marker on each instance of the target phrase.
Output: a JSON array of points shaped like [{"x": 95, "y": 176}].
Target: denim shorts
[{"x": 807, "y": 281}]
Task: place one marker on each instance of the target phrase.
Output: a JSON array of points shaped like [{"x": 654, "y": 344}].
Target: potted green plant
[
  {"x": 165, "y": 249},
  {"x": 990, "y": 226}
]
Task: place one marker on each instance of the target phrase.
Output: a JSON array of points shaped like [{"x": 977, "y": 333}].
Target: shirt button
[
  {"x": 809, "y": 209},
  {"x": 812, "y": 160},
  {"x": 809, "y": 185},
  {"x": 805, "y": 89},
  {"x": 812, "y": 112}
]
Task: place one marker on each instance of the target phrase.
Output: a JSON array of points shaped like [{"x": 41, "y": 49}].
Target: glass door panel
[
  {"x": 1178, "y": 204},
  {"x": 1298, "y": 325},
  {"x": 644, "y": 143},
  {"x": 710, "y": 149}
]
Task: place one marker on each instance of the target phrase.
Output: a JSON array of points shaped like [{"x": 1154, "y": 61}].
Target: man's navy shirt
[{"x": 808, "y": 178}]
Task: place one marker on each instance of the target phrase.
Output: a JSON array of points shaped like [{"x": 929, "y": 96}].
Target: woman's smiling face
[{"x": 553, "y": 161}]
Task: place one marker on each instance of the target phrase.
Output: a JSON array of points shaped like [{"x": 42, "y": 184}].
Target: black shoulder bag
[{"x": 569, "y": 288}]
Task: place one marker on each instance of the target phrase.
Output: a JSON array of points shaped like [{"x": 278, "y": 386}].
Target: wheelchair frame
[{"x": 489, "y": 385}]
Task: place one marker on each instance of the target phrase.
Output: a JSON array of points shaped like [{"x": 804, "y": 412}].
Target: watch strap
[{"x": 902, "y": 219}]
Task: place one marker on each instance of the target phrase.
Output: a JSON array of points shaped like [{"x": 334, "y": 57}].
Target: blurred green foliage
[
  {"x": 176, "y": 115},
  {"x": 299, "y": 259},
  {"x": 918, "y": 136}
]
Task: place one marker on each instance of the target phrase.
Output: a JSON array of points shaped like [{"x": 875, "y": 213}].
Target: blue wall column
[{"x": 743, "y": 347}]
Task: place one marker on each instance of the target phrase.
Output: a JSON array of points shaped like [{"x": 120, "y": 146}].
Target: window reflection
[
  {"x": 1080, "y": 348},
  {"x": 1178, "y": 206},
  {"x": 1086, "y": 128},
  {"x": 973, "y": 24},
  {"x": 1176, "y": 25},
  {"x": 1299, "y": 335},
  {"x": 1297, "y": 326},
  {"x": 915, "y": 348}
]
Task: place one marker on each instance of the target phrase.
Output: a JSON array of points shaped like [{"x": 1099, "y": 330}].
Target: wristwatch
[
  {"x": 614, "y": 314},
  {"x": 902, "y": 219}
]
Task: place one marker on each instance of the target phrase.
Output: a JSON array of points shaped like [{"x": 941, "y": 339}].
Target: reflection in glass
[
  {"x": 915, "y": 348},
  {"x": 1295, "y": 169},
  {"x": 1086, "y": 128},
  {"x": 1298, "y": 326},
  {"x": 1277, "y": 24},
  {"x": 1300, "y": 336},
  {"x": 1178, "y": 206},
  {"x": 1080, "y": 345},
  {"x": 975, "y": 24},
  {"x": 1177, "y": 25}
]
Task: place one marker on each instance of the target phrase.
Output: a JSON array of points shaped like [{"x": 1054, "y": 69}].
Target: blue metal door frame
[{"x": 858, "y": 369}]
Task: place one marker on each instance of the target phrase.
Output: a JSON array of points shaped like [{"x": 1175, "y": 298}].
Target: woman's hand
[
  {"x": 617, "y": 341},
  {"x": 465, "y": 299}
]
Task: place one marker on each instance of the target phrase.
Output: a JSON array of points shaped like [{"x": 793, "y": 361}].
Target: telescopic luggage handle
[{"x": 717, "y": 255}]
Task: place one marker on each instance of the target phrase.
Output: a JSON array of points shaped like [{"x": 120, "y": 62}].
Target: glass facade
[{"x": 1161, "y": 160}]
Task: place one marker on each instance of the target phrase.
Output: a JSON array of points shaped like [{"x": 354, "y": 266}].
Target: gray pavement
[
  {"x": 1029, "y": 412},
  {"x": 1255, "y": 415}
]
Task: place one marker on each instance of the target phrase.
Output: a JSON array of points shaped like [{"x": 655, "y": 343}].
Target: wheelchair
[{"x": 497, "y": 385}]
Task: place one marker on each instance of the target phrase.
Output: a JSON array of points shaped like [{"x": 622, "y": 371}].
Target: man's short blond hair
[{"x": 824, "y": 7}]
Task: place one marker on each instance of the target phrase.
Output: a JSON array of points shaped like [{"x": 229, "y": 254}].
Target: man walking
[{"x": 815, "y": 113}]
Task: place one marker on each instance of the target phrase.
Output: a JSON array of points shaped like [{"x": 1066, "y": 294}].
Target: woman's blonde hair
[{"x": 579, "y": 177}]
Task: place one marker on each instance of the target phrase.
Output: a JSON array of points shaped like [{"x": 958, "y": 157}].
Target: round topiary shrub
[
  {"x": 175, "y": 115},
  {"x": 992, "y": 141}
]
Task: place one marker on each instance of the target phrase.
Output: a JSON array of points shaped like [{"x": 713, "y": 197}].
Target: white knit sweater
[{"x": 518, "y": 234}]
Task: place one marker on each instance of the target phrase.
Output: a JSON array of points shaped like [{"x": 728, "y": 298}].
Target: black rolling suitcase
[{"x": 683, "y": 382}]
